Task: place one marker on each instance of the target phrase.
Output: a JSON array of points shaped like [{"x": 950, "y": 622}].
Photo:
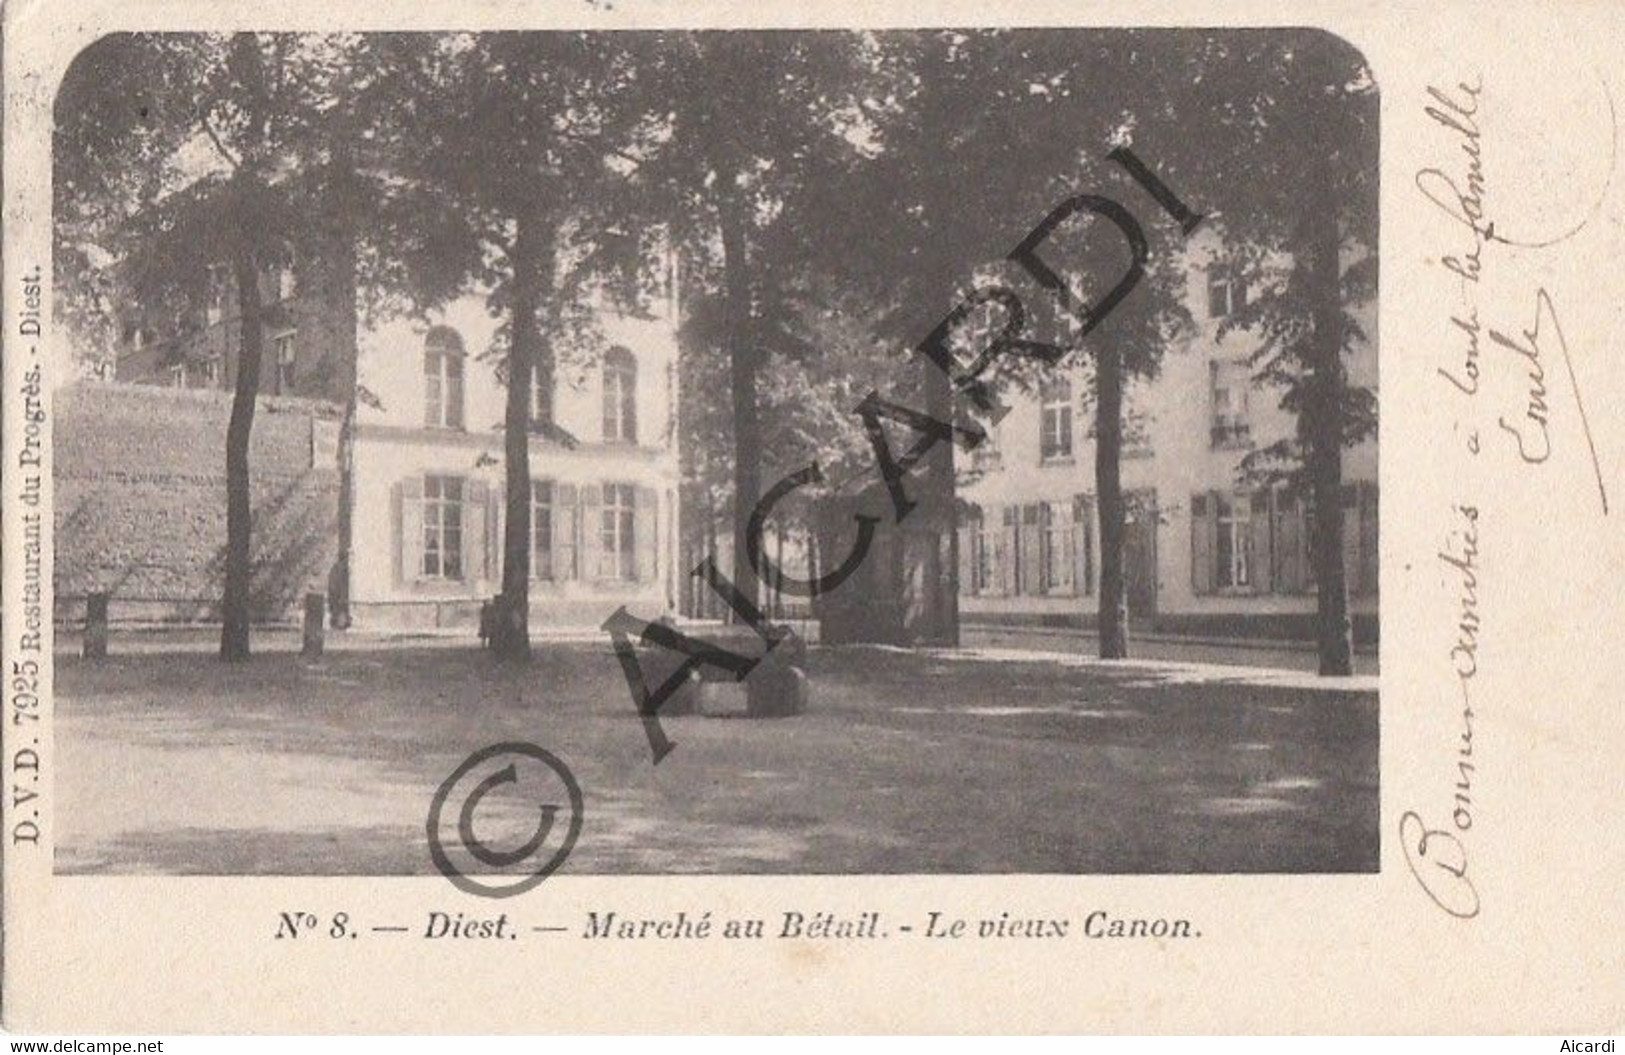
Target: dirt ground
[{"x": 906, "y": 762}]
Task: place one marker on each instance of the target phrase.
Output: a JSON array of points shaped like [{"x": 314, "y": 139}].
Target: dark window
[
  {"x": 1055, "y": 427},
  {"x": 618, "y": 557},
  {"x": 1226, "y": 295},
  {"x": 1229, "y": 386},
  {"x": 442, "y": 527},
  {"x": 620, "y": 397},
  {"x": 984, "y": 566},
  {"x": 1012, "y": 570},
  {"x": 541, "y": 529},
  {"x": 1057, "y": 543},
  {"x": 1235, "y": 541},
  {"x": 443, "y": 379}
]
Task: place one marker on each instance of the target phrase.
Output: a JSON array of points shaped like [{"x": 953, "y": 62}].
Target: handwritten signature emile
[
  {"x": 1464, "y": 201},
  {"x": 1438, "y": 856}
]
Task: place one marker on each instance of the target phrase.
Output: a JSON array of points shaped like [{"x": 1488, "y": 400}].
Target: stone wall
[{"x": 141, "y": 501}]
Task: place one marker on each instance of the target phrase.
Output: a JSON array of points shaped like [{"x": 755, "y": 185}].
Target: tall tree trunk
[
  {"x": 744, "y": 361},
  {"x": 1321, "y": 429},
  {"x": 338, "y": 579},
  {"x": 235, "y": 604},
  {"x": 532, "y": 271},
  {"x": 932, "y": 539},
  {"x": 1113, "y": 619},
  {"x": 340, "y": 291},
  {"x": 938, "y": 508},
  {"x": 939, "y": 514}
]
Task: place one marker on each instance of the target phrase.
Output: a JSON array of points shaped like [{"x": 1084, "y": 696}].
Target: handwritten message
[{"x": 1526, "y": 344}]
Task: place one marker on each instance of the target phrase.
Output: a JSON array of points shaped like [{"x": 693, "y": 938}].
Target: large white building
[
  {"x": 429, "y": 475},
  {"x": 1204, "y": 552}
]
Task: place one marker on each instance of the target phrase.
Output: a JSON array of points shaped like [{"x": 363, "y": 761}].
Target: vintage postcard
[{"x": 637, "y": 517}]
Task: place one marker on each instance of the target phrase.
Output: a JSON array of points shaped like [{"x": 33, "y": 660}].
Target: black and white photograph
[{"x": 769, "y": 452}]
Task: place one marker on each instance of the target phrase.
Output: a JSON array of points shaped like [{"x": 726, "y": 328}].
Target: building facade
[
  {"x": 422, "y": 500},
  {"x": 1205, "y": 552},
  {"x": 429, "y": 475}
]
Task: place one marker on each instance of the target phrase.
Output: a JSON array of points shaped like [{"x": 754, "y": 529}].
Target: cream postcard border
[{"x": 1546, "y": 846}]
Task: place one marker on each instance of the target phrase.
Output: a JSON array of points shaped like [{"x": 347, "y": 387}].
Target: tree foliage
[{"x": 828, "y": 197}]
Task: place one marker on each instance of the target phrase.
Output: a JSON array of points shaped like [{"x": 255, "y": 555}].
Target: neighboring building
[
  {"x": 423, "y": 486},
  {"x": 1204, "y": 553},
  {"x": 308, "y": 327}
]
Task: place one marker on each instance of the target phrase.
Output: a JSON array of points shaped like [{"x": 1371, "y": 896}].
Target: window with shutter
[
  {"x": 645, "y": 531},
  {"x": 591, "y": 535},
  {"x": 541, "y": 530},
  {"x": 1234, "y": 541},
  {"x": 476, "y": 559},
  {"x": 617, "y": 540},
  {"x": 1059, "y": 576},
  {"x": 1263, "y": 541},
  {"x": 1046, "y": 554},
  {"x": 1083, "y": 544},
  {"x": 442, "y": 533},
  {"x": 991, "y": 554},
  {"x": 565, "y": 516},
  {"x": 1010, "y": 562},
  {"x": 406, "y": 502},
  {"x": 1202, "y": 545},
  {"x": 1292, "y": 544},
  {"x": 1032, "y": 558}
]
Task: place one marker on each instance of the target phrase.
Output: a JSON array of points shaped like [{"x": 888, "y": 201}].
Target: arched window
[
  {"x": 443, "y": 379},
  {"x": 620, "y": 396}
]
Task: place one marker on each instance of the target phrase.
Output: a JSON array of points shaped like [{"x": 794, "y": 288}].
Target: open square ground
[{"x": 965, "y": 761}]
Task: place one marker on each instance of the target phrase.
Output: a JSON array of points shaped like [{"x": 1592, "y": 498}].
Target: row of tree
[{"x": 831, "y": 195}]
